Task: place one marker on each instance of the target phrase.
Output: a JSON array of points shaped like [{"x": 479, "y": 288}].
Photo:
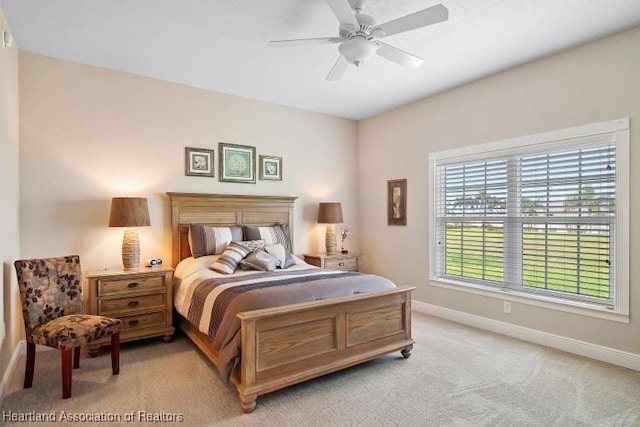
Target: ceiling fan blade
[
  {"x": 398, "y": 56},
  {"x": 338, "y": 69},
  {"x": 304, "y": 42},
  {"x": 343, "y": 12},
  {"x": 422, "y": 18}
]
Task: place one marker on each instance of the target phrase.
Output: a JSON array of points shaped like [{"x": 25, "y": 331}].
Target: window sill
[{"x": 573, "y": 307}]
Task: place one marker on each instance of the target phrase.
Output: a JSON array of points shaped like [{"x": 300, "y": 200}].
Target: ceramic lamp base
[
  {"x": 330, "y": 239},
  {"x": 131, "y": 250}
]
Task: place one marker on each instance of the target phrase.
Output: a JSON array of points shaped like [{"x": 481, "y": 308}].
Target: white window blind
[{"x": 538, "y": 218}]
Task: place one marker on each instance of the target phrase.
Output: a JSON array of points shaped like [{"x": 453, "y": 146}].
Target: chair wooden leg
[
  {"x": 31, "y": 361},
  {"x": 67, "y": 355},
  {"x": 115, "y": 353},
  {"x": 76, "y": 357}
]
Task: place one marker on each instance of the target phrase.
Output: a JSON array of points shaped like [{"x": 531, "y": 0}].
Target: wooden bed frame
[{"x": 286, "y": 345}]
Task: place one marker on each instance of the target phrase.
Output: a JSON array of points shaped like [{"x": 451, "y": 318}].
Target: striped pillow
[
  {"x": 206, "y": 240},
  {"x": 230, "y": 258},
  {"x": 272, "y": 235}
]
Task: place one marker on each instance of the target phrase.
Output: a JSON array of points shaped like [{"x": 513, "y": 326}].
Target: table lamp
[
  {"x": 330, "y": 213},
  {"x": 129, "y": 212}
]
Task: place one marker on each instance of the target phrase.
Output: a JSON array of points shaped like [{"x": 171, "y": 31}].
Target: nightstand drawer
[
  {"x": 113, "y": 286},
  {"x": 346, "y": 262},
  {"x": 142, "y": 321},
  {"x": 341, "y": 263},
  {"x": 119, "y": 306}
]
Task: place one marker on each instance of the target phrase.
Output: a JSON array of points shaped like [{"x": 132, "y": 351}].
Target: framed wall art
[
  {"x": 397, "y": 202},
  {"x": 198, "y": 162},
  {"x": 237, "y": 163},
  {"x": 271, "y": 168}
]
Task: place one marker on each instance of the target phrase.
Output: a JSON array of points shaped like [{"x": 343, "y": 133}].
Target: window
[{"x": 543, "y": 217}]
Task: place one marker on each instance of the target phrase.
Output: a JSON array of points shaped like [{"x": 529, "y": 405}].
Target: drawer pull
[
  {"x": 133, "y": 322},
  {"x": 134, "y": 284},
  {"x": 341, "y": 264},
  {"x": 134, "y": 304}
]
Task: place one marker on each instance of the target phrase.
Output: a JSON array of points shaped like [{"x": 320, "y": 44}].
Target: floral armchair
[{"x": 51, "y": 294}]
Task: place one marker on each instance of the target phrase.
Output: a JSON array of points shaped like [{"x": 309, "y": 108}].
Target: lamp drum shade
[
  {"x": 129, "y": 212},
  {"x": 330, "y": 213}
]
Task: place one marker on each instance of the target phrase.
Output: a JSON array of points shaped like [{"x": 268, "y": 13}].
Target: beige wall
[
  {"x": 9, "y": 194},
  {"x": 88, "y": 134},
  {"x": 595, "y": 82}
]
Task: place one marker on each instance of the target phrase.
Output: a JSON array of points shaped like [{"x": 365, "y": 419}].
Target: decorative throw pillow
[
  {"x": 206, "y": 240},
  {"x": 230, "y": 258},
  {"x": 272, "y": 235},
  {"x": 278, "y": 252},
  {"x": 254, "y": 245},
  {"x": 259, "y": 260}
]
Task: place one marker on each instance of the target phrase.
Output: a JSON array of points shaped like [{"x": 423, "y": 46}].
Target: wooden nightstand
[
  {"x": 142, "y": 299},
  {"x": 339, "y": 261}
]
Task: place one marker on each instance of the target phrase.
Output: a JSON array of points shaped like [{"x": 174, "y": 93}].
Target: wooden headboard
[{"x": 223, "y": 210}]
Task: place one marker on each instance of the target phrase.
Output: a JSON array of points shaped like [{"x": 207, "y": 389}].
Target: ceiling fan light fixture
[
  {"x": 357, "y": 50},
  {"x": 358, "y": 35}
]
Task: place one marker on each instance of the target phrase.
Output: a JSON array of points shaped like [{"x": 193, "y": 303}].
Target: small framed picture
[
  {"x": 237, "y": 163},
  {"x": 397, "y": 202},
  {"x": 198, "y": 162},
  {"x": 271, "y": 168}
]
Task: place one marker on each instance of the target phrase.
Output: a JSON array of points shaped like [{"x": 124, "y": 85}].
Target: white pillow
[{"x": 277, "y": 251}]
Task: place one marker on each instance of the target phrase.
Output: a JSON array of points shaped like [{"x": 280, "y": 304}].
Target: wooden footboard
[{"x": 286, "y": 345}]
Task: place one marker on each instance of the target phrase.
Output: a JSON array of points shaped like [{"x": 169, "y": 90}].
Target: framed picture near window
[
  {"x": 198, "y": 162},
  {"x": 237, "y": 163},
  {"x": 271, "y": 168},
  {"x": 397, "y": 202}
]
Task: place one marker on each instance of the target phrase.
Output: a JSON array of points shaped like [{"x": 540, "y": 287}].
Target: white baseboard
[
  {"x": 582, "y": 348},
  {"x": 19, "y": 351}
]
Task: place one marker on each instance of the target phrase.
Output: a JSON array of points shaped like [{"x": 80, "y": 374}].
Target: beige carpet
[{"x": 456, "y": 376}]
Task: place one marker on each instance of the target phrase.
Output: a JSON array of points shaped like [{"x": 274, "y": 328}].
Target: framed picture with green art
[
  {"x": 198, "y": 162},
  {"x": 237, "y": 163},
  {"x": 271, "y": 168}
]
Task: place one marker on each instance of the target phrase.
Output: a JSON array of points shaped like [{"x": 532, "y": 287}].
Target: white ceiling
[{"x": 221, "y": 45}]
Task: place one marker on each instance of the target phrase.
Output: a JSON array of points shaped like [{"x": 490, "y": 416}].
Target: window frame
[{"x": 568, "y": 138}]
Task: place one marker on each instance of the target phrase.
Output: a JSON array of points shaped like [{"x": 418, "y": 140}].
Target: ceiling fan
[{"x": 359, "y": 34}]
